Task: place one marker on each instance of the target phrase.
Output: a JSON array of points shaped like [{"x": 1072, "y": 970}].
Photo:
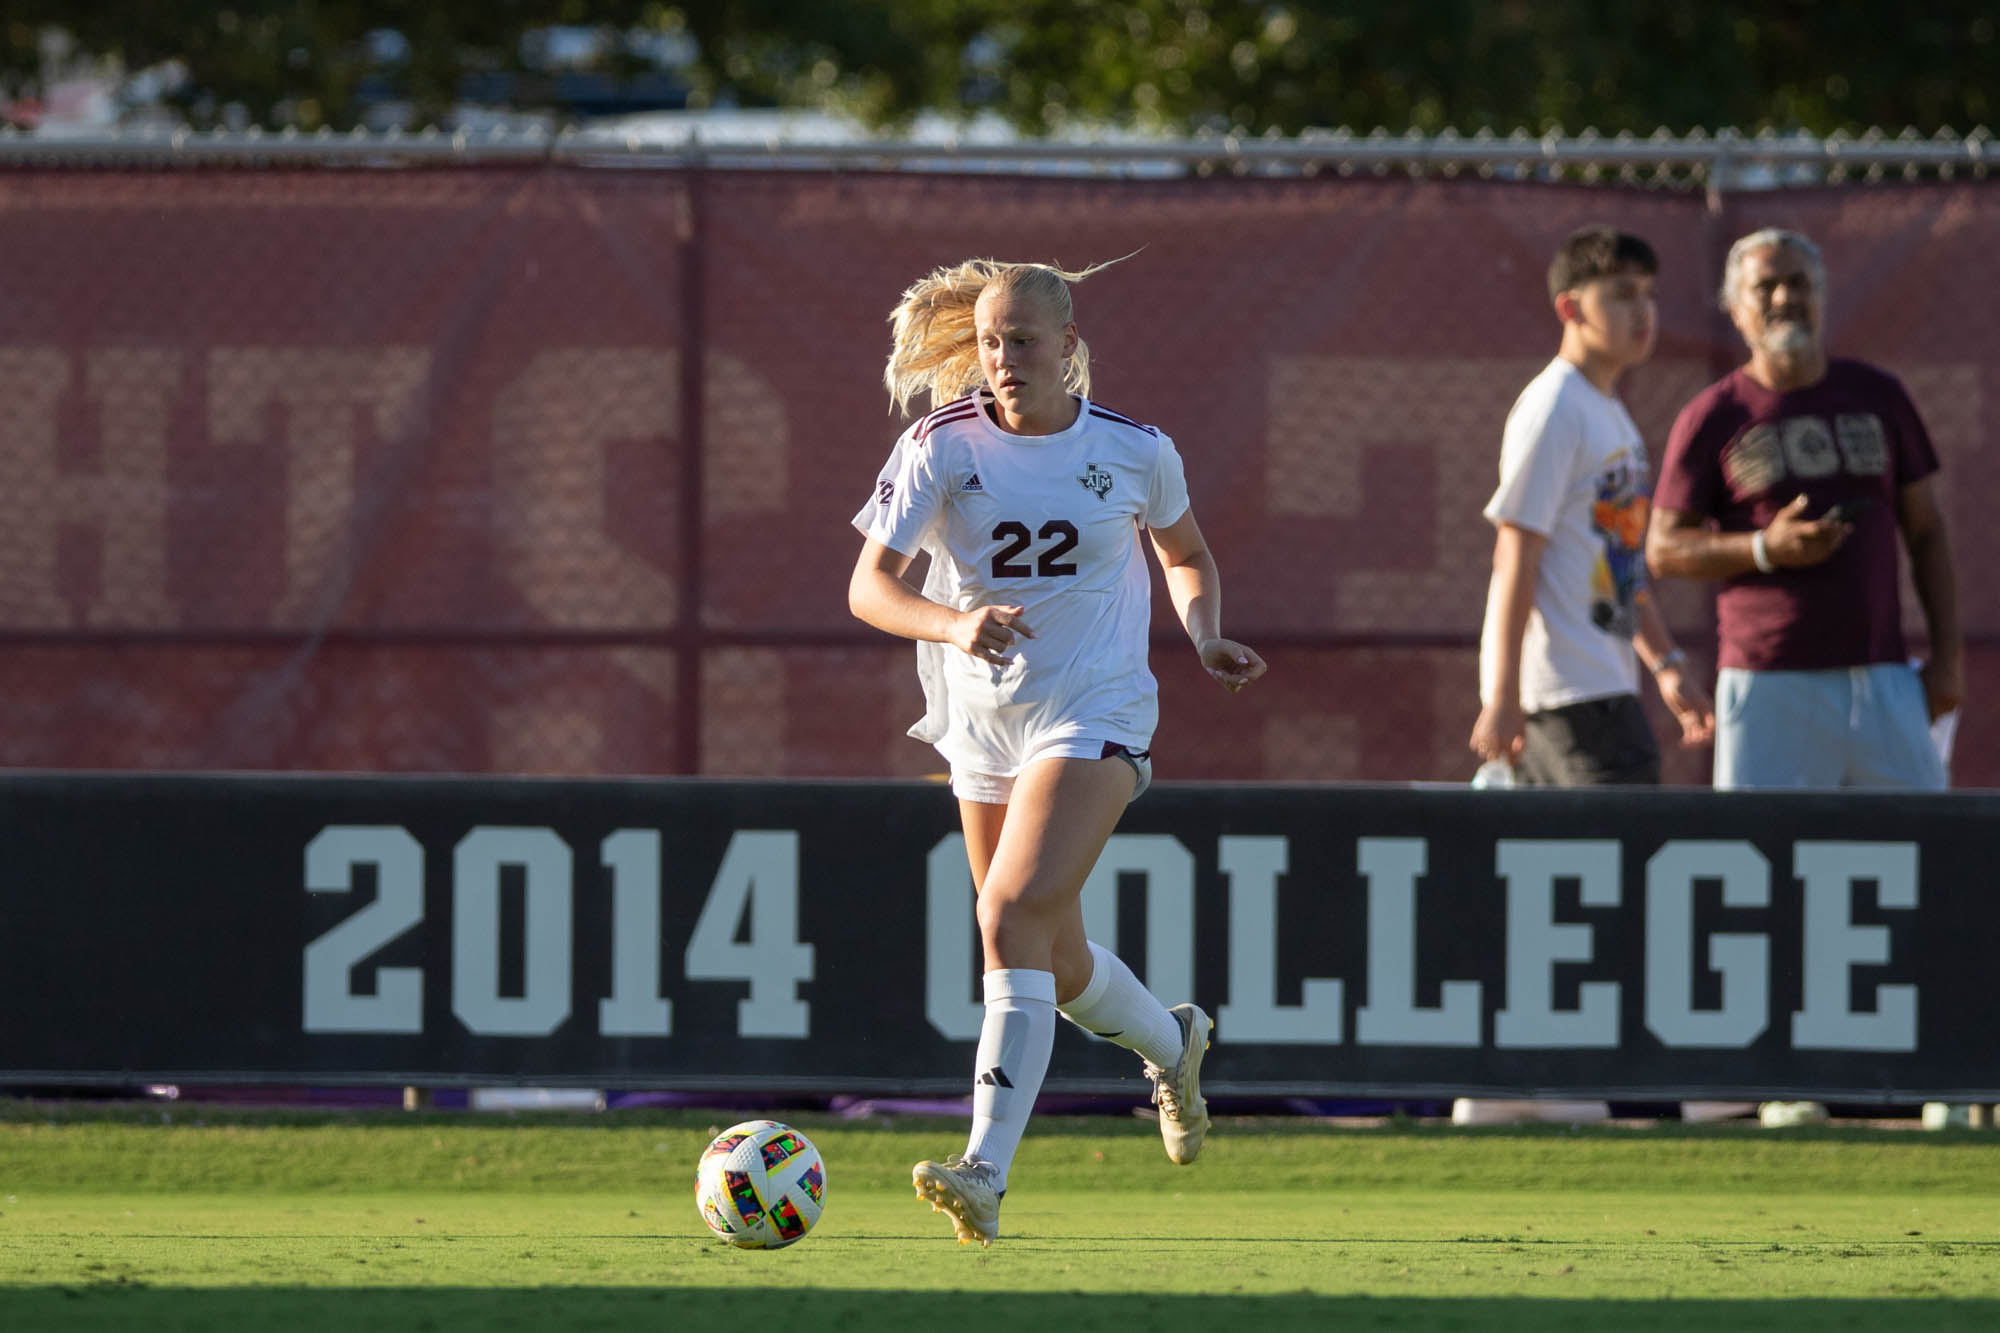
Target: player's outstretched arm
[{"x": 1196, "y": 588}]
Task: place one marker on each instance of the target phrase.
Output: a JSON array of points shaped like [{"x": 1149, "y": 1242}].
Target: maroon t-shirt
[{"x": 1740, "y": 452}]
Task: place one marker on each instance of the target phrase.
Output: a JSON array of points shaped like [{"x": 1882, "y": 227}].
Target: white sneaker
[
  {"x": 1177, "y": 1091},
  {"x": 964, "y": 1191},
  {"x": 1956, "y": 1115},
  {"x": 1790, "y": 1115}
]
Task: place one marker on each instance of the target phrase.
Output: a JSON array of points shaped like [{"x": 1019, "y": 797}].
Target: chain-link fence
[{"x": 335, "y": 456}]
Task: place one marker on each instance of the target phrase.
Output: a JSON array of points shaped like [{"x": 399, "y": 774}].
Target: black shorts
[{"x": 1596, "y": 743}]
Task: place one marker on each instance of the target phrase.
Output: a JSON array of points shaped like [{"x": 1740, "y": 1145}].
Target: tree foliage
[{"x": 1168, "y": 65}]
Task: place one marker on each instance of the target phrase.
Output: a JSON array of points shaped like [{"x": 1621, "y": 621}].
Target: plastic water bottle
[{"x": 1494, "y": 773}]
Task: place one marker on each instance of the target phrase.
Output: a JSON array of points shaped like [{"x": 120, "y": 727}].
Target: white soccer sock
[
  {"x": 1014, "y": 1044},
  {"x": 1119, "y": 1009}
]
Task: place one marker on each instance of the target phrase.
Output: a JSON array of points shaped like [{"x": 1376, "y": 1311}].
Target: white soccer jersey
[{"x": 1049, "y": 523}]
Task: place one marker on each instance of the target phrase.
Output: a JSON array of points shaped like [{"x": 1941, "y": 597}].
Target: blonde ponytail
[{"x": 933, "y": 348}]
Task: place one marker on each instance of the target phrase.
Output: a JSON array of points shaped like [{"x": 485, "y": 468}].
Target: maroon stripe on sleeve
[
  {"x": 963, "y": 410},
  {"x": 1121, "y": 419}
]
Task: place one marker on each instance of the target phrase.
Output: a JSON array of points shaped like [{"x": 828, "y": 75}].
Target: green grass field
[{"x": 200, "y": 1220}]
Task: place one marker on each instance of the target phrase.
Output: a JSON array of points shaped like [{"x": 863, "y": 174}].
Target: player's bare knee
[{"x": 1014, "y": 928}]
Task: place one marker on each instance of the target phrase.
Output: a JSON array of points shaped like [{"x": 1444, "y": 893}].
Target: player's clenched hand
[
  {"x": 987, "y": 632},
  {"x": 1231, "y": 663}
]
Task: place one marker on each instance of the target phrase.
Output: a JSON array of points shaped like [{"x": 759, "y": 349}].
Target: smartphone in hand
[{"x": 1849, "y": 510}]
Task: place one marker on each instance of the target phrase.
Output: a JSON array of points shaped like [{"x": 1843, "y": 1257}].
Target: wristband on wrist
[
  {"x": 1760, "y": 555},
  {"x": 1668, "y": 660}
]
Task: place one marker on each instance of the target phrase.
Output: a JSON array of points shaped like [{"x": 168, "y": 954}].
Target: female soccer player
[{"x": 1031, "y": 641}]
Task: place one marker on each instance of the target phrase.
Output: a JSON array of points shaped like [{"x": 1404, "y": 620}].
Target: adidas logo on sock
[{"x": 995, "y": 1077}]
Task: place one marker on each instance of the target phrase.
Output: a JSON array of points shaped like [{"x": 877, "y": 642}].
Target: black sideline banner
[{"x": 819, "y": 937}]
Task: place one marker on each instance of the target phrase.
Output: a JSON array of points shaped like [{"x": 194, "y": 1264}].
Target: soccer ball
[{"x": 760, "y": 1185}]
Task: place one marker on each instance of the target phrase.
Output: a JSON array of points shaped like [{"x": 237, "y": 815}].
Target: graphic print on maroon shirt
[{"x": 1740, "y": 452}]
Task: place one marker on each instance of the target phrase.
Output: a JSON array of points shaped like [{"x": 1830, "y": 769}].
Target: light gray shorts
[{"x": 1865, "y": 726}]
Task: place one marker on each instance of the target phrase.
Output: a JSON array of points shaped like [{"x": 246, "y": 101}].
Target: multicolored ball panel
[
  {"x": 744, "y": 1195},
  {"x": 718, "y": 1221},
  {"x": 780, "y": 1147},
  {"x": 785, "y": 1220},
  {"x": 723, "y": 1146}
]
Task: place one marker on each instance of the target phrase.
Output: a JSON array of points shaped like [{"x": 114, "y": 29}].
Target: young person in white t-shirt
[
  {"x": 1568, "y": 603},
  {"x": 1559, "y": 677},
  {"x": 1031, "y": 633}
]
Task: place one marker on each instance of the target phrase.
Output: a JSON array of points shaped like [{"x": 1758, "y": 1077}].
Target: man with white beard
[{"x": 1792, "y": 480}]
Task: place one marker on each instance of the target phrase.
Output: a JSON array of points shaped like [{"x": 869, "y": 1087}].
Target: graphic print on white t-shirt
[
  {"x": 1618, "y": 514},
  {"x": 1573, "y": 468},
  {"x": 1049, "y": 523}
]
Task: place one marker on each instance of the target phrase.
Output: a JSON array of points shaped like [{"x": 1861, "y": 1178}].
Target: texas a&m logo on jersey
[{"x": 1095, "y": 480}]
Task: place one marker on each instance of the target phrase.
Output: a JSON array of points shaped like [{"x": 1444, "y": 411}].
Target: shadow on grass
[{"x": 128, "y": 1305}]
